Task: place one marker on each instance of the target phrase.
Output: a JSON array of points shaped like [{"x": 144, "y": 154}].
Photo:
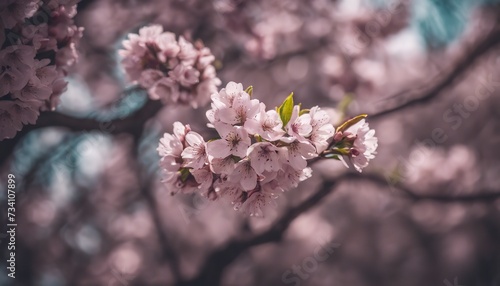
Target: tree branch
[
  {"x": 458, "y": 70},
  {"x": 167, "y": 252},
  {"x": 480, "y": 196},
  {"x": 212, "y": 270},
  {"x": 147, "y": 191},
  {"x": 132, "y": 124}
]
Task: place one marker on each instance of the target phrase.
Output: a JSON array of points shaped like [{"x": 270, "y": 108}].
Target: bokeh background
[{"x": 91, "y": 209}]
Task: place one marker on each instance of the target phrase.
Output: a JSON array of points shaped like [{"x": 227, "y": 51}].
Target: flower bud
[
  {"x": 349, "y": 138},
  {"x": 338, "y": 137}
]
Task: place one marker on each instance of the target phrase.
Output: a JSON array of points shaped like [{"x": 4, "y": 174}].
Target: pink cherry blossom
[
  {"x": 194, "y": 155},
  {"x": 187, "y": 53},
  {"x": 264, "y": 156},
  {"x": 15, "y": 113},
  {"x": 299, "y": 126},
  {"x": 149, "y": 77},
  {"x": 149, "y": 34},
  {"x": 178, "y": 72},
  {"x": 267, "y": 124},
  {"x": 209, "y": 73},
  {"x": 33, "y": 90},
  {"x": 232, "y": 105},
  {"x": 204, "y": 177},
  {"x": 245, "y": 175},
  {"x": 16, "y": 67},
  {"x": 242, "y": 109},
  {"x": 15, "y": 11},
  {"x": 19, "y": 55},
  {"x": 364, "y": 146},
  {"x": 322, "y": 129},
  {"x": 205, "y": 58},
  {"x": 298, "y": 153},
  {"x": 10, "y": 121},
  {"x": 230, "y": 192},
  {"x": 234, "y": 141},
  {"x": 290, "y": 177},
  {"x": 180, "y": 130},
  {"x": 255, "y": 159},
  {"x": 257, "y": 201},
  {"x": 35, "y": 61},
  {"x": 165, "y": 89},
  {"x": 226, "y": 96},
  {"x": 46, "y": 73},
  {"x": 169, "y": 48},
  {"x": 223, "y": 166},
  {"x": 170, "y": 149},
  {"x": 185, "y": 75}
]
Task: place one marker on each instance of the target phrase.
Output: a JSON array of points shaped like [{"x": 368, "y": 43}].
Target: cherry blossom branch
[
  {"x": 410, "y": 97},
  {"x": 212, "y": 270}
]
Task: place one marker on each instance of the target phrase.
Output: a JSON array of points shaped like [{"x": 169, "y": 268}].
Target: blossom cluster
[
  {"x": 174, "y": 71},
  {"x": 37, "y": 46},
  {"x": 355, "y": 143},
  {"x": 259, "y": 153}
]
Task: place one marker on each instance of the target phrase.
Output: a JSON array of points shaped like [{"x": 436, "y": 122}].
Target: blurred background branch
[
  {"x": 215, "y": 263},
  {"x": 132, "y": 124},
  {"x": 425, "y": 92}
]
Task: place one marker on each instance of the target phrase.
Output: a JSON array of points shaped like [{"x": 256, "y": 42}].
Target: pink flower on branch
[
  {"x": 259, "y": 153},
  {"x": 264, "y": 156},
  {"x": 267, "y": 124},
  {"x": 364, "y": 146},
  {"x": 235, "y": 141},
  {"x": 355, "y": 143},
  {"x": 299, "y": 126},
  {"x": 245, "y": 175},
  {"x": 195, "y": 154}
]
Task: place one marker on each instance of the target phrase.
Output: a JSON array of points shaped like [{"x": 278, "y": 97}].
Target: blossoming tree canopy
[
  {"x": 259, "y": 153},
  {"x": 34, "y": 58},
  {"x": 174, "y": 71}
]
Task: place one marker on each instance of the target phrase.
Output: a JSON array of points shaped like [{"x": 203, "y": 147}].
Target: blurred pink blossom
[
  {"x": 172, "y": 71},
  {"x": 34, "y": 63}
]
